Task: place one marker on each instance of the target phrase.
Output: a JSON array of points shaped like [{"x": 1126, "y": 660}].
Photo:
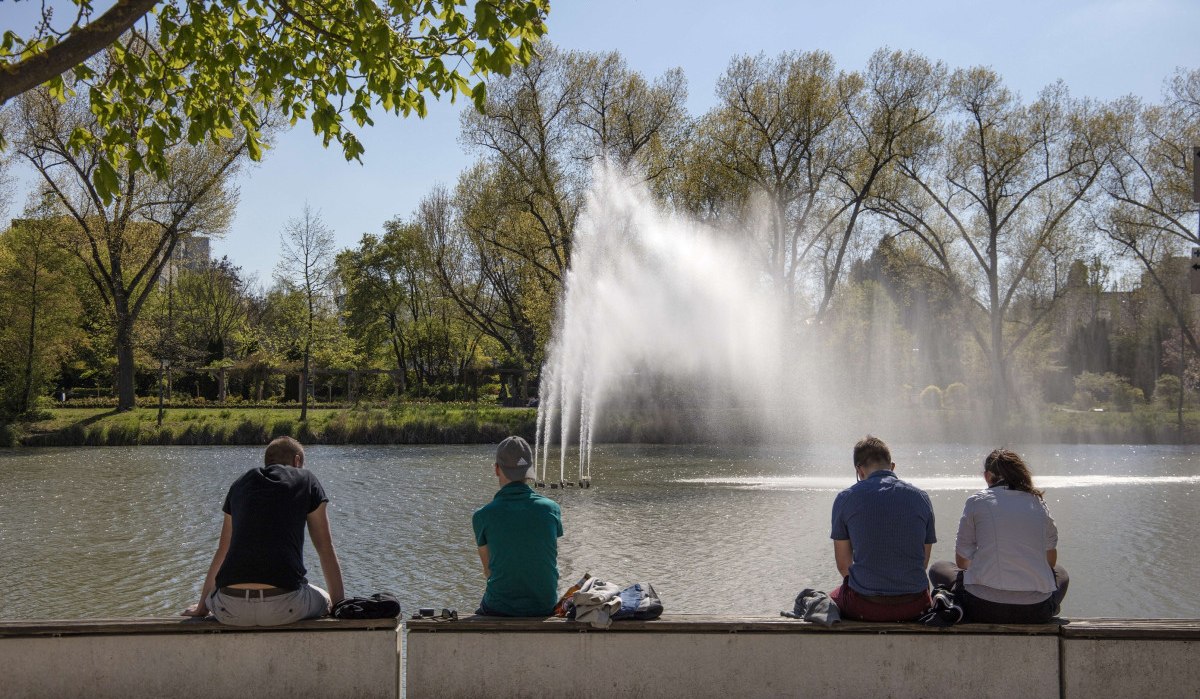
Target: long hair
[{"x": 1009, "y": 467}]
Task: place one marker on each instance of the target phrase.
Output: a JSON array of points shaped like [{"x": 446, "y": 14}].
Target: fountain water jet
[{"x": 661, "y": 318}]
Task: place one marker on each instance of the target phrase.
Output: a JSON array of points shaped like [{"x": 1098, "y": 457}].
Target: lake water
[{"x": 107, "y": 532}]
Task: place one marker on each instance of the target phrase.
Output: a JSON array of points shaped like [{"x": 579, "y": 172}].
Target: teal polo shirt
[{"x": 521, "y": 530}]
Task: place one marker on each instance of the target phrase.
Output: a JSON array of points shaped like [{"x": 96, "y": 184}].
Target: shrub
[
  {"x": 123, "y": 434},
  {"x": 249, "y": 431},
  {"x": 1107, "y": 389},
  {"x": 305, "y": 434},
  {"x": 1124, "y": 397},
  {"x": 957, "y": 396},
  {"x": 931, "y": 398},
  {"x": 282, "y": 428},
  {"x": 1166, "y": 391}
]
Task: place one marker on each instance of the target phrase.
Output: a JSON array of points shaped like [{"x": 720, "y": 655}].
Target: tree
[
  {"x": 307, "y": 267},
  {"x": 212, "y": 309},
  {"x": 218, "y": 64},
  {"x": 382, "y": 277},
  {"x": 1149, "y": 214},
  {"x": 893, "y": 110},
  {"x": 778, "y": 132},
  {"x": 543, "y": 127},
  {"x": 124, "y": 240},
  {"x": 620, "y": 116},
  {"x": 504, "y": 255},
  {"x": 524, "y": 133},
  {"x": 812, "y": 143},
  {"x": 497, "y": 290},
  {"x": 394, "y": 299},
  {"x": 993, "y": 204},
  {"x": 36, "y": 286}
]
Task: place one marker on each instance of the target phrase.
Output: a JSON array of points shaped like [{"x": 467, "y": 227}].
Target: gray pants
[{"x": 309, "y": 602}]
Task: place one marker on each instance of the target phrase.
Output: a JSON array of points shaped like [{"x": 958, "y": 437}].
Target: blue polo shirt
[
  {"x": 521, "y": 530},
  {"x": 888, "y": 523}
]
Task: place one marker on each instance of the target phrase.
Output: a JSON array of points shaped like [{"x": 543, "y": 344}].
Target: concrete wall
[
  {"x": 1130, "y": 668},
  {"x": 317, "y": 661},
  {"x": 677, "y": 656},
  {"x": 646, "y": 665},
  {"x": 682, "y": 656},
  {"x": 1131, "y": 658}
]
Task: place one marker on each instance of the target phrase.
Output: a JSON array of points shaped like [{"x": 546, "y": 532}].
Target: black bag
[
  {"x": 378, "y": 606},
  {"x": 946, "y": 610},
  {"x": 639, "y": 601}
]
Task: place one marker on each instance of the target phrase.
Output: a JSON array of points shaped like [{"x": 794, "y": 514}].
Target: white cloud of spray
[{"x": 660, "y": 316}]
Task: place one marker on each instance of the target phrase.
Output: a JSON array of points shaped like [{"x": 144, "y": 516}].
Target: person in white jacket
[{"x": 1005, "y": 568}]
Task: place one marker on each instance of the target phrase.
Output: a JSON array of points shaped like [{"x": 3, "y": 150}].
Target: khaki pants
[{"x": 308, "y": 602}]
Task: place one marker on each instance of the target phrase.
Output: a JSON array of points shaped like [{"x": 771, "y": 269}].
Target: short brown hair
[
  {"x": 283, "y": 450},
  {"x": 871, "y": 450}
]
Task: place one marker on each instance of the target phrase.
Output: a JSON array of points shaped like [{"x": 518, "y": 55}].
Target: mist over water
[{"x": 670, "y": 330}]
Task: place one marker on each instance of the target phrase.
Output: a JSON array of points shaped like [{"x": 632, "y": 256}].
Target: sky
[{"x": 1099, "y": 48}]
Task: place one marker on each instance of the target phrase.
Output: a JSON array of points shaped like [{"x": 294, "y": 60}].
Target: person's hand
[{"x": 195, "y": 610}]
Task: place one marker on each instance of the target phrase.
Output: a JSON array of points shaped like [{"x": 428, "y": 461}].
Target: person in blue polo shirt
[
  {"x": 517, "y": 534},
  {"x": 882, "y": 536}
]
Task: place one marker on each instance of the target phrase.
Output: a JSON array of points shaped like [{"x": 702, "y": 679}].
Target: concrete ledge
[
  {"x": 196, "y": 658},
  {"x": 695, "y": 623},
  {"x": 1152, "y": 629},
  {"x": 176, "y": 625}
]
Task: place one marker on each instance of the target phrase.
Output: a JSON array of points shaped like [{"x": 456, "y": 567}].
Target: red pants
[{"x": 855, "y": 606}]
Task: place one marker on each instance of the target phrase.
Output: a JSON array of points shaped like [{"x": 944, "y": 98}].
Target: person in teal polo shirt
[{"x": 517, "y": 534}]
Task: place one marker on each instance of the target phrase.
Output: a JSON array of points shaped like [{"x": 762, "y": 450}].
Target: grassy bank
[
  {"x": 452, "y": 423},
  {"x": 473, "y": 423}
]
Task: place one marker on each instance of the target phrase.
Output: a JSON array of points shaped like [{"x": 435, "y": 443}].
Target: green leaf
[{"x": 105, "y": 180}]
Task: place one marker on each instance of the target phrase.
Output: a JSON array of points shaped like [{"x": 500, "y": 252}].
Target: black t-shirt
[{"x": 269, "y": 506}]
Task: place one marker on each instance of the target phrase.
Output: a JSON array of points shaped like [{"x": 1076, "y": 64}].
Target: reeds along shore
[{"x": 474, "y": 423}]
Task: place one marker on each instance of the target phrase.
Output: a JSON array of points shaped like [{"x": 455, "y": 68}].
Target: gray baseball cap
[{"x": 515, "y": 459}]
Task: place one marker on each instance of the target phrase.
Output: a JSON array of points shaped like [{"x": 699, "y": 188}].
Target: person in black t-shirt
[{"x": 257, "y": 574}]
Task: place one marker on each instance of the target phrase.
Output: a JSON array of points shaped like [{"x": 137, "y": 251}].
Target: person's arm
[
  {"x": 1051, "y": 538},
  {"x": 210, "y": 580},
  {"x": 483, "y": 558},
  {"x": 965, "y": 544},
  {"x": 322, "y": 538},
  {"x": 928, "y": 550},
  {"x": 843, "y": 555}
]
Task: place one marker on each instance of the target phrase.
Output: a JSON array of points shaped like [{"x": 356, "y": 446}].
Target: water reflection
[{"x": 130, "y": 531}]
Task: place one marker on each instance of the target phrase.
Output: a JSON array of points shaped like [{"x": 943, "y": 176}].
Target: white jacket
[{"x": 1006, "y": 534}]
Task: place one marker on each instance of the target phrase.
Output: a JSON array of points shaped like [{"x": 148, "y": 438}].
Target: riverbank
[
  {"x": 418, "y": 423},
  {"x": 483, "y": 423}
]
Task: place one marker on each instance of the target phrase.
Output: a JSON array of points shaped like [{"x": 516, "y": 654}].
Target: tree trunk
[
  {"x": 401, "y": 365},
  {"x": 999, "y": 375},
  {"x": 26, "y": 399},
  {"x": 125, "y": 369},
  {"x": 304, "y": 387},
  {"x": 222, "y": 384}
]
